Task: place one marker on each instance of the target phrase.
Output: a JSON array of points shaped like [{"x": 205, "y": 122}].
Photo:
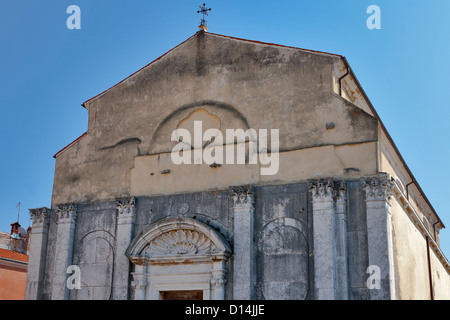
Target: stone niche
[
  {"x": 283, "y": 243},
  {"x": 178, "y": 255}
]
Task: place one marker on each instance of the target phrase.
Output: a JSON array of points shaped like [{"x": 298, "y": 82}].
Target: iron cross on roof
[{"x": 204, "y": 11}]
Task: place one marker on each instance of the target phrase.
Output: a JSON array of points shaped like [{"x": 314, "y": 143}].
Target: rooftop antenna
[
  {"x": 204, "y": 11},
  {"x": 18, "y": 213}
]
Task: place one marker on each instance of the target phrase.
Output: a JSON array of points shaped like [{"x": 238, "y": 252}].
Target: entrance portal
[{"x": 179, "y": 259}]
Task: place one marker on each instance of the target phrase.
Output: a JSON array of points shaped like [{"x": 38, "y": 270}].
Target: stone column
[
  {"x": 379, "y": 233},
  {"x": 244, "y": 259},
  {"x": 38, "y": 253},
  {"x": 124, "y": 234},
  {"x": 67, "y": 215},
  {"x": 341, "y": 241},
  {"x": 324, "y": 239}
]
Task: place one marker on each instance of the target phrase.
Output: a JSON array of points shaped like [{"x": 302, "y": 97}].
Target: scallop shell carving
[{"x": 180, "y": 242}]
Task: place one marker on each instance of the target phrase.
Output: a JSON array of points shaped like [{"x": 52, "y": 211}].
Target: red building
[
  {"x": 13, "y": 274},
  {"x": 13, "y": 263}
]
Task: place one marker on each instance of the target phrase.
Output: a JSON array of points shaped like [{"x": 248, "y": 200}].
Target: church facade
[{"x": 235, "y": 169}]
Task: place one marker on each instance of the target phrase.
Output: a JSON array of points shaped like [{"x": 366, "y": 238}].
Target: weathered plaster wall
[
  {"x": 410, "y": 242},
  {"x": 238, "y": 82},
  {"x": 410, "y": 257},
  {"x": 156, "y": 174},
  {"x": 411, "y": 260},
  {"x": 441, "y": 279}
]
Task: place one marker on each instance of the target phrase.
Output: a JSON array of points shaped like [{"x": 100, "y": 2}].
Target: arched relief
[
  {"x": 213, "y": 114},
  {"x": 284, "y": 235},
  {"x": 208, "y": 120},
  {"x": 283, "y": 260},
  {"x": 166, "y": 237},
  {"x": 180, "y": 242},
  {"x": 95, "y": 257},
  {"x": 96, "y": 247}
]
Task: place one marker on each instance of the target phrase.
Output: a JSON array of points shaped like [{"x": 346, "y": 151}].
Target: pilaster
[
  {"x": 341, "y": 261},
  {"x": 323, "y": 238},
  {"x": 37, "y": 254},
  {"x": 139, "y": 279},
  {"x": 330, "y": 239},
  {"x": 125, "y": 229},
  {"x": 378, "y": 192},
  {"x": 244, "y": 268},
  {"x": 66, "y": 218}
]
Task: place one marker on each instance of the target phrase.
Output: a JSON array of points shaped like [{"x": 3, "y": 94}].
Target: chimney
[
  {"x": 15, "y": 232},
  {"x": 17, "y": 240}
]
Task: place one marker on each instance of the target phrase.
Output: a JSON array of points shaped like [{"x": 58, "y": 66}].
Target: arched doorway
[{"x": 179, "y": 257}]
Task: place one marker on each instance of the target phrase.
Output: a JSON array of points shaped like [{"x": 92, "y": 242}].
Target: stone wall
[{"x": 281, "y": 261}]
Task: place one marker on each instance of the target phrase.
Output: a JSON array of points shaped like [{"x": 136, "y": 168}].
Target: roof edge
[
  {"x": 213, "y": 34},
  {"x": 394, "y": 146},
  {"x": 277, "y": 45},
  {"x": 159, "y": 58},
  {"x": 69, "y": 145}
]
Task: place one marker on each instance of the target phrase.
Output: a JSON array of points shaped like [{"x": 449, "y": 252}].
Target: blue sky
[{"x": 47, "y": 71}]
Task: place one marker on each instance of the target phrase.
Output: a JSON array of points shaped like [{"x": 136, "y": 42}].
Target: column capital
[
  {"x": 321, "y": 190},
  {"x": 378, "y": 188},
  {"x": 243, "y": 196},
  {"x": 66, "y": 213},
  {"x": 340, "y": 188},
  {"x": 139, "y": 280},
  {"x": 218, "y": 282},
  {"x": 40, "y": 217},
  {"x": 126, "y": 208}
]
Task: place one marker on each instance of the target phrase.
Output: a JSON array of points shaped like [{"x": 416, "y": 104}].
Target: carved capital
[
  {"x": 218, "y": 282},
  {"x": 322, "y": 190},
  {"x": 243, "y": 196},
  {"x": 40, "y": 217},
  {"x": 378, "y": 188},
  {"x": 139, "y": 281},
  {"x": 66, "y": 213},
  {"x": 339, "y": 192},
  {"x": 126, "y": 207}
]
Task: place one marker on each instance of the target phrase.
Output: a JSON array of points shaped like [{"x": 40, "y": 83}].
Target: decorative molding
[
  {"x": 166, "y": 226},
  {"x": 379, "y": 188},
  {"x": 179, "y": 254},
  {"x": 40, "y": 217},
  {"x": 243, "y": 196},
  {"x": 180, "y": 242},
  {"x": 183, "y": 208},
  {"x": 66, "y": 213},
  {"x": 218, "y": 282},
  {"x": 140, "y": 261}
]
